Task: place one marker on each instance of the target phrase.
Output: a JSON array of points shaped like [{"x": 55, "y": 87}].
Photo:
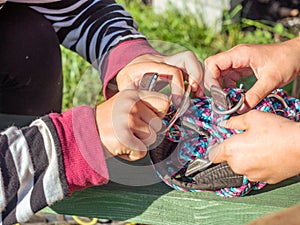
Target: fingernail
[
  {"x": 194, "y": 86},
  {"x": 243, "y": 109},
  {"x": 222, "y": 123},
  {"x": 213, "y": 152}
]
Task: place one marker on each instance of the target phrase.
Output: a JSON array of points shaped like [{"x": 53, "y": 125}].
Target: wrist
[
  {"x": 83, "y": 157},
  {"x": 119, "y": 57}
]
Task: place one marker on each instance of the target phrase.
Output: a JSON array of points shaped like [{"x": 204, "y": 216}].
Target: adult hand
[
  {"x": 268, "y": 150},
  {"x": 177, "y": 68},
  {"x": 274, "y": 65},
  {"x": 129, "y": 121}
]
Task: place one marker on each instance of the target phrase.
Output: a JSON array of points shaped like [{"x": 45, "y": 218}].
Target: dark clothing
[{"x": 31, "y": 70}]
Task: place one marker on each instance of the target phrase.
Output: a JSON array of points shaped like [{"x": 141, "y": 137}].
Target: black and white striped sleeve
[
  {"x": 44, "y": 162},
  {"x": 90, "y": 27},
  {"x": 26, "y": 165}
]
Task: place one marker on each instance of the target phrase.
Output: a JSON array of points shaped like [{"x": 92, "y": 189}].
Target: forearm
[
  {"x": 102, "y": 32},
  {"x": 45, "y": 162},
  {"x": 90, "y": 28}
]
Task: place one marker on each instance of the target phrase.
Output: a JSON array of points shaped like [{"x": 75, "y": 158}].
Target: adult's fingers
[
  {"x": 149, "y": 117},
  {"x": 236, "y": 58},
  {"x": 239, "y": 122},
  {"x": 214, "y": 65},
  {"x": 221, "y": 152},
  {"x": 262, "y": 87},
  {"x": 225, "y": 151},
  {"x": 231, "y": 76}
]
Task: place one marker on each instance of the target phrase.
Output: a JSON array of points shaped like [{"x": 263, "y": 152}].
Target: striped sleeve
[
  {"x": 44, "y": 163},
  {"x": 90, "y": 27},
  {"x": 93, "y": 28}
]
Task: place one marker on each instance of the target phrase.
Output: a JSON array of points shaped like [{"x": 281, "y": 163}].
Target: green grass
[
  {"x": 176, "y": 33},
  {"x": 82, "y": 84}
]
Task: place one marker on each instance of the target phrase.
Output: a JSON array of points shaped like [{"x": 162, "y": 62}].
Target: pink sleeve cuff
[
  {"x": 120, "y": 56},
  {"x": 83, "y": 156}
]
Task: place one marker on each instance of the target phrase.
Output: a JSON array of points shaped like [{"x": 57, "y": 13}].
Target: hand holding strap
[{"x": 217, "y": 177}]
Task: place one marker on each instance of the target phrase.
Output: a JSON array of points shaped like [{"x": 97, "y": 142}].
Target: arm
[
  {"x": 61, "y": 153},
  {"x": 100, "y": 31},
  {"x": 106, "y": 35},
  {"x": 43, "y": 163}
]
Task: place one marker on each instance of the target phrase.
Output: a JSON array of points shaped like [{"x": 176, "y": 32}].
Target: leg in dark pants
[
  {"x": 31, "y": 71},
  {"x": 30, "y": 59}
]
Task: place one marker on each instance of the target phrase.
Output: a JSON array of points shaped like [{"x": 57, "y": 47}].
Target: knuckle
[
  {"x": 208, "y": 61},
  {"x": 189, "y": 54},
  {"x": 241, "y": 48},
  {"x": 254, "y": 96},
  {"x": 175, "y": 71}
]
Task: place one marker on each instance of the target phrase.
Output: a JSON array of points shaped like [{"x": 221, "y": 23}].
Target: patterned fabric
[{"x": 191, "y": 145}]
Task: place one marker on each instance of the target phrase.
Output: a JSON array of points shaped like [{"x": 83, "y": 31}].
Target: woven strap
[{"x": 183, "y": 144}]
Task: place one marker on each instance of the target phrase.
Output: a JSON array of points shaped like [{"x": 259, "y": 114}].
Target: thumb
[
  {"x": 217, "y": 152},
  {"x": 157, "y": 102},
  {"x": 259, "y": 90},
  {"x": 216, "y": 155},
  {"x": 236, "y": 122}
]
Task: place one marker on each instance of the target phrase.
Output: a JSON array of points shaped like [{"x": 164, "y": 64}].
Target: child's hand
[
  {"x": 129, "y": 121},
  {"x": 177, "y": 68}
]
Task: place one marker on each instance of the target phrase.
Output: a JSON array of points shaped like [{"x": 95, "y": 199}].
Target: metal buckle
[
  {"x": 183, "y": 106},
  {"x": 197, "y": 129},
  {"x": 279, "y": 98},
  {"x": 221, "y": 102},
  {"x": 149, "y": 81},
  {"x": 198, "y": 165}
]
